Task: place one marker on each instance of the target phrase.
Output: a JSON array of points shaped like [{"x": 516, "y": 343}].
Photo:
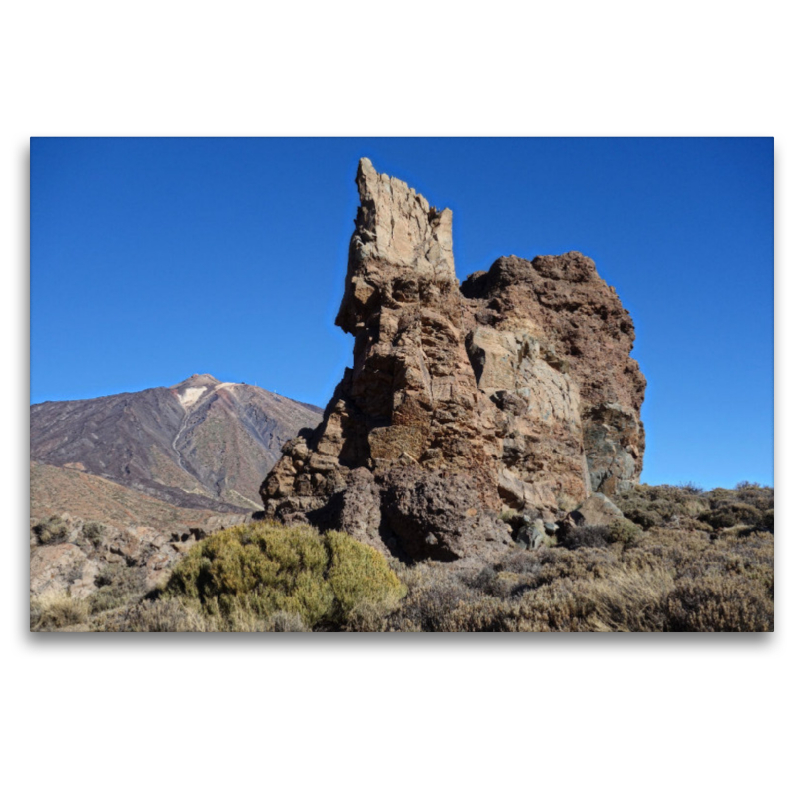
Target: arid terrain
[
  {"x": 692, "y": 561},
  {"x": 477, "y": 469}
]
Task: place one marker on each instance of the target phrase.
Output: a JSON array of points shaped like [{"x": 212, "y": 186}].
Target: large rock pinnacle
[{"x": 514, "y": 391}]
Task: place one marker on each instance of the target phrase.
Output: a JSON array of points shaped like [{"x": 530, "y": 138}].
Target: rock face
[
  {"x": 512, "y": 392},
  {"x": 568, "y": 329}
]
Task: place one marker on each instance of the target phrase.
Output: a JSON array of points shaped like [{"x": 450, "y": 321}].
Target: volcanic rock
[{"x": 514, "y": 391}]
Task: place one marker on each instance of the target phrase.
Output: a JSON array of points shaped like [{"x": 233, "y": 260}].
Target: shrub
[
  {"x": 58, "y": 610},
  {"x": 264, "y": 569},
  {"x": 586, "y": 536},
  {"x": 644, "y": 518},
  {"x": 53, "y": 530},
  {"x": 435, "y": 591},
  {"x": 727, "y": 516},
  {"x": 162, "y": 615},
  {"x": 620, "y": 530},
  {"x": 116, "y": 585},
  {"x": 358, "y": 574},
  {"x": 94, "y": 532},
  {"x": 630, "y": 599},
  {"x": 624, "y": 531},
  {"x": 720, "y": 603},
  {"x": 661, "y": 506}
]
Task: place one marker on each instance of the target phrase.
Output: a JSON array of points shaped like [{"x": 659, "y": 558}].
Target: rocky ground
[{"x": 679, "y": 559}]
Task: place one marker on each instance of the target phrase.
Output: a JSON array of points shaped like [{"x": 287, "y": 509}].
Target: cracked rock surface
[{"x": 511, "y": 393}]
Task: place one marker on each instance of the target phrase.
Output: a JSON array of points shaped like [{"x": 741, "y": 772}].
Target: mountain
[{"x": 200, "y": 444}]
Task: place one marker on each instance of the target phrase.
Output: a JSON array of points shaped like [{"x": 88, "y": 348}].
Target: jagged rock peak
[
  {"x": 397, "y": 228},
  {"x": 399, "y": 225}
]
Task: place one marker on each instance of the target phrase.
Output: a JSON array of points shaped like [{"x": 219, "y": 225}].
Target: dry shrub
[
  {"x": 631, "y": 600},
  {"x": 94, "y": 532},
  {"x": 57, "y": 610},
  {"x": 586, "y": 536},
  {"x": 179, "y": 615},
  {"x": 117, "y": 585},
  {"x": 672, "y": 579},
  {"x": 369, "y": 616},
  {"x": 727, "y": 516},
  {"x": 434, "y": 591},
  {"x": 621, "y": 531},
  {"x": 661, "y": 506},
  {"x": 624, "y": 600},
  {"x": 720, "y": 603},
  {"x": 164, "y": 615},
  {"x": 52, "y": 530}
]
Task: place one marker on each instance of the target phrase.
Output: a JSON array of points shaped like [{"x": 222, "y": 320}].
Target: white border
[{"x": 398, "y": 716}]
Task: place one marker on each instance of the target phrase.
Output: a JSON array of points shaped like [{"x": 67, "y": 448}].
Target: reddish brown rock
[
  {"x": 578, "y": 327},
  {"x": 513, "y": 391}
]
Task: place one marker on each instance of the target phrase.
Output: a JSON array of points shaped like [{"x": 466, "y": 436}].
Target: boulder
[{"x": 597, "y": 509}]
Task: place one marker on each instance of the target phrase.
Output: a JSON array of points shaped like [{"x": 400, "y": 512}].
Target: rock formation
[{"x": 513, "y": 393}]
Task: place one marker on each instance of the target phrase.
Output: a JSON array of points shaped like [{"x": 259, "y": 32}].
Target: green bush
[{"x": 263, "y": 568}]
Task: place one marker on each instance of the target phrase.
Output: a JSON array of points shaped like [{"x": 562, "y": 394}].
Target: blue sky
[{"x": 152, "y": 259}]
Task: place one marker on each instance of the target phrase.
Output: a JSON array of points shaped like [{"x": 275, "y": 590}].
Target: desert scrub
[
  {"x": 585, "y": 536},
  {"x": 58, "y": 610},
  {"x": 661, "y": 506},
  {"x": 52, "y": 530},
  {"x": 619, "y": 531},
  {"x": 94, "y": 532},
  {"x": 264, "y": 569},
  {"x": 624, "y": 531},
  {"x": 720, "y": 603},
  {"x": 729, "y": 515},
  {"x": 116, "y": 585}
]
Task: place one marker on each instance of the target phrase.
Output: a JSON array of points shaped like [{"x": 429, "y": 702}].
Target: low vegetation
[
  {"x": 53, "y": 611},
  {"x": 53, "y": 530},
  {"x": 268, "y": 577},
  {"x": 682, "y": 560}
]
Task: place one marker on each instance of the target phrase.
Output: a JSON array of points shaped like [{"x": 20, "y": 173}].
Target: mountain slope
[
  {"x": 62, "y": 490},
  {"x": 198, "y": 444}
]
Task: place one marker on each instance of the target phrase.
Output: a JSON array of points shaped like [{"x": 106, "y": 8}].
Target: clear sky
[{"x": 152, "y": 259}]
